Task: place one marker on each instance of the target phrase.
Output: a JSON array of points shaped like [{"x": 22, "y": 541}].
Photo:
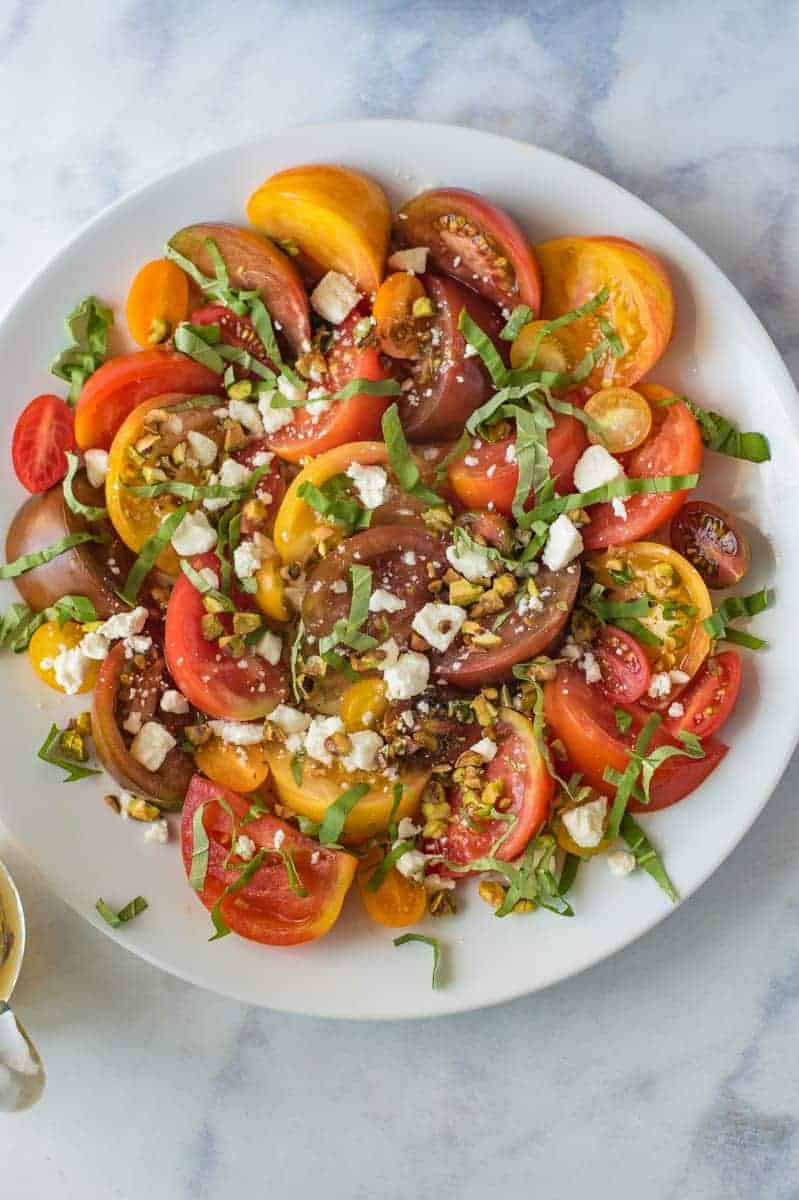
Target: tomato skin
[
  {"x": 122, "y": 383},
  {"x": 486, "y": 236},
  {"x": 353, "y": 420},
  {"x": 213, "y": 682},
  {"x": 674, "y": 447},
  {"x": 626, "y": 673},
  {"x": 475, "y": 488},
  {"x": 398, "y": 902},
  {"x": 711, "y": 696},
  {"x": 712, "y": 542},
  {"x": 233, "y": 330},
  {"x": 265, "y": 910},
  {"x": 44, "y": 432},
  {"x": 519, "y": 763},
  {"x": 582, "y": 717}
]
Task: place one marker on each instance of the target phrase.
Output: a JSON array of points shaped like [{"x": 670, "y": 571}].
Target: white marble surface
[{"x": 669, "y": 1071}]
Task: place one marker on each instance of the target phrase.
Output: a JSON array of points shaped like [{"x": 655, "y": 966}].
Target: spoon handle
[{"x": 21, "y": 1070}]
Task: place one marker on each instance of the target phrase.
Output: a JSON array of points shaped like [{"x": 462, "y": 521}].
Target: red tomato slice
[
  {"x": 474, "y": 241},
  {"x": 626, "y": 672},
  {"x": 583, "y": 718},
  {"x": 711, "y": 696},
  {"x": 674, "y": 447},
  {"x": 120, "y": 384},
  {"x": 42, "y": 435},
  {"x": 354, "y": 420},
  {"x": 233, "y": 330},
  {"x": 240, "y": 689},
  {"x": 270, "y": 488},
  {"x": 265, "y": 910},
  {"x": 521, "y": 767},
  {"x": 493, "y": 477}
]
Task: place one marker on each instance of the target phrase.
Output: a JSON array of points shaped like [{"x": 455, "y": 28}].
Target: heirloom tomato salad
[{"x": 383, "y": 558}]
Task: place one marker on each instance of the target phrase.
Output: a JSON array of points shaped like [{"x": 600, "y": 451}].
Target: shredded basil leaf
[
  {"x": 636, "y": 779},
  {"x": 568, "y": 874},
  {"x": 49, "y": 752},
  {"x": 334, "y": 501},
  {"x": 199, "y": 345},
  {"x": 402, "y": 461},
  {"x": 721, "y": 435},
  {"x": 367, "y": 387},
  {"x": 115, "y": 919},
  {"x": 521, "y": 316},
  {"x": 347, "y": 631},
  {"x": 19, "y": 623},
  {"x": 384, "y": 867},
  {"x": 396, "y": 800},
  {"x": 435, "y": 945},
  {"x": 336, "y": 814},
  {"x": 482, "y": 343},
  {"x": 295, "y": 883},
  {"x": 294, "y": 660},
  {"x": 645, "y": 855},
  {"x": 623, "y": 720},
  {"x": 648, "y": 485},
  {"x": 89, "y": 511},
  {"x": 149, "y": 553},
  {"x": 88, "y": 325},
  {"x": 38, "y": 557},
  {"x": 297, "y": 764},
  {"x": 532, "y": 457},
  {"x": 199, "y": 849},
  {"x": 207, "y": 589},
  {"x": 245, "y": 875},
  {"x": 718, "y": 625}
]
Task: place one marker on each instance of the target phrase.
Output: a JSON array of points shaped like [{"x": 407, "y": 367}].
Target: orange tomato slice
[
  {"x": 398, "y": 901},
  {"x": 241, "y": 768},
  {"x": 393, "y": 313},
  {"x": 158, "y": 300}
]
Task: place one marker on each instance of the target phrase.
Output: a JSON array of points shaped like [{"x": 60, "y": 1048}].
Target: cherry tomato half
[
  {"x": 623, "y": 416},
  {"x": 711, "y": 697},
  {"x": 626, "y": 673},
  {"x": 712, "y": 542},
  {"x": 43, "y": 433}
]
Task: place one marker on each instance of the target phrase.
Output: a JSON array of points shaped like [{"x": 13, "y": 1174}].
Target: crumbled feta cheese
[
  {"x": 383, "y": 601},
  {"x": 151, "y": 745},
  {"x": 338, "y": 586},
  {"x": 389, "y": 652},
  {"x": 96, "y": 466},
  {"x": 247, "y": 558},
  {"x": 621, "y": 862},
  {"x": 409, "y": 558},
  {"x": 586, "y": 824},
  {"x": 245, "y": 847},
  {"x": 316, "y": 408},
  {"x": 247, "y": 416},
  {"x": 295, "y": 393},
  {"x": 407, "y": 677},
  {"x": 594, "y": 468},
  {"x": 203, "y": 448},
  {"x": 137, "y": 645},
  {"x": 439, "y": 624},
  {"x": 262, "y": 458},
  {"x": 619, "y": 508},
  {"x": 233, "y": 474},
  {"x": 486, "y": 748},
  {"x": 470, "y": 563},
  {"x": 289, "y": 719},
  {"x": 407, "y": 830},
  {"x": 370, "y": 484},
  {"x": 413, "y": 260},
  {"x": 659, "y": 685},
  {"x": 157, "y": 831},
  {"x": 133, "y": 722},
  {"x": 270, "y": 647},
  {"x": 93, "y": 645},
  {"x": 279, "y": 838},
  {"x": 273, "y": 419},
  {"x": 69, "y": 667},
  {"x": 173, "y": 701},
  {"x": 590, "y": 667},
  {"x": 678, "y": 677},
  {"x": 676, "y": 709},
  {"x": 319, "y": 730},
  {"x": 124, "y": 624},
  {"x": 194, "y": 535},
  {"x": 364, "y": 748},
  {"x": 564, "y": 543},
  {"x": 510, "y": 453},
  {"x": 238, "y": 733},
  {"x": 436, "y": 883},
  {"x": 470, "y": 351},
  {"x": 209, "y": 576},
  {"x": 411, "y": 865},
  {"x": 334, "y": 297}
]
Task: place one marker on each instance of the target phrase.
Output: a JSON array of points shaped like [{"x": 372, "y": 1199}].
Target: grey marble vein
[{"x": 668, "y": 1072}]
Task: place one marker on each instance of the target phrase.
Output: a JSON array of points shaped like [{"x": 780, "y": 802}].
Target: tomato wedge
[
  {"x": 711, "y": 697},
  {"x": 674, "y": 447},
  {"x": 353, "y": 420},
  {"x": 520, "y": 766},
  {"x": 624, "y": 665},
  {"x": 583, "y": 718},
  {"x": 487, "y": 472},
  {"x": 476, "y": 242},
  {"x": 122, "y": 383},
  {"x": 43, "y": 433},
  {"x": 240, "y": 689},
  {"x": 266, "y": 909},
  {"x": 233, "y": 330}
]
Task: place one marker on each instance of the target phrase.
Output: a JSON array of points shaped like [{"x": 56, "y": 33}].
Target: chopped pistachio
[
  {"x": 441, "y": 903},
  {"x": 73, "y": 745},
  {"x": 178, "y": 454},
  {"x": 211, "y": 627},
  {"x": 463, "y": 593},
  {"x": 83, "y": 723},
  {"x": 235, "y": 437},
  {"x": 484, "y": 711},
  {"x": 234, "y": 644},
  {"x": 147, "y": 442},
  {"x": 158, "y": 332},
  {"x": 524, "y": 906},
  {"x": 254, "y": 510},
  {"x": 493, "y": 893},
  {"x": 212, "y": 604},
  {"x": 240, "y": 390},
  {"x": 153, "y": 475},
  {"x": 422, "y": 307},
  {"x": 198, "y": 735},
  {"x": 246, "y": 622},
  {"x": 487, "y": 639},
  {"x": 437, "y": 519},
  {"x": 113, "y": 802},
  {"x": 140, "y": 810}
]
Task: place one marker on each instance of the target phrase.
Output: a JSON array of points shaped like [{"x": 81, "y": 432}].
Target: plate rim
[{"x": 776, "y": 364}]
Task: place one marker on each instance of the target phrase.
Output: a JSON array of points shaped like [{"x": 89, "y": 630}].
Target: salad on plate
[{"x": 382, "y": 559}]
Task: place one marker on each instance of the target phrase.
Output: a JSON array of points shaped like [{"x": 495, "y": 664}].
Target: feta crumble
[
  {"x": 621, "y": 862},
  {"x": 586, "y": 824},
  {"x": 486, "y": 748},
  {"x": 194, "y": 535},
  {"x": 383, "y": 601},
  {"x": 173, "y": 701},
  {"x": 370, "y": 484},
  {"x": 238, "y": 733},
  {"x": 203, "y": 448},
  {"x": 407, "y": 677},
  {"x": 596, "y": 467},
  {"x": 334, "y": 297},
  {"x": 471, "y": 564},
  {"x": 364, "y": 748},
  {"x": 439, "y": 624},
  {"x": 413, "y": 260},
  {"x": 564, "y": 544},
  {"x": 151, "y": 745},
  {"x": 96, "y": 466}
]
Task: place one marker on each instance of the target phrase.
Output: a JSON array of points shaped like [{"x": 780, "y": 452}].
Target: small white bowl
[{"x": 21, "y": 1070}]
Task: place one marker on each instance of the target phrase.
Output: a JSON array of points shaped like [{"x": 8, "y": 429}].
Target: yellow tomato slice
[
  {"x": 47, "y": 642},
  {"x": 550, "y": 355},
  {"x": 321, "y": 786},
  {"x": 682, "y": 601},
  {"x": 623, "y": 416},
  {"x": 136, "y": 518},
  {"x": 240, "y": 768},
  {"x": 398, "y": 901},
  {"x": 296, "y": 521},
  {"x": 158, "y": 300},
  {"x": 363, "y": 704}
]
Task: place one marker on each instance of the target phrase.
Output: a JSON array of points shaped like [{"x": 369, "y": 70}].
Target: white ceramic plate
[{"x": 721, "y": 355}]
